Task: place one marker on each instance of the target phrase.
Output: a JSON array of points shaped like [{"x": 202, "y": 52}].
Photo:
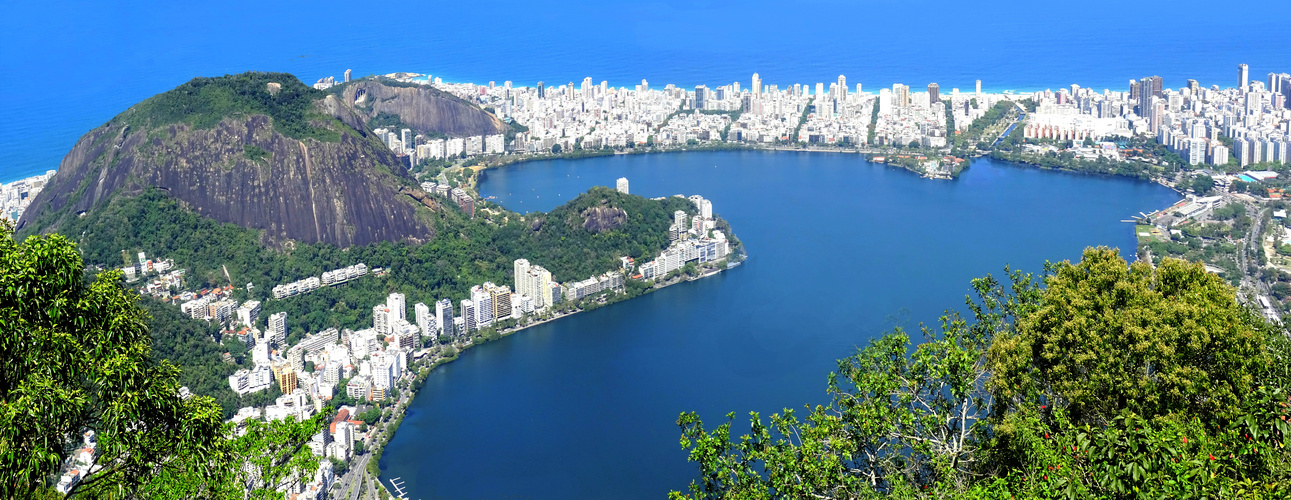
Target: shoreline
[
  {"x": 400, "y": 408},
  {"x": 476, "y": 169}
]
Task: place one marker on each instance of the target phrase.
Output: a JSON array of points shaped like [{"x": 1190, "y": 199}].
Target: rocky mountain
[
  {"x": 260, "y": 150},
  {"x": 424, "y": 109}
]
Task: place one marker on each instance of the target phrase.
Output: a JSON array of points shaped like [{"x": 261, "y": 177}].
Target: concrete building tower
[
  {"x": 347, "y": 75},
  {"x": 979, "y": 87},
  {"x": 424, "y": 320},
  {"x": 444, "y": 316},
  {"x": 398, "y": 306},
  {"x": 934, "y": 93},
  {"x": 622, "y": 185},
  {"x": 381, "y": 319},
  {"x": 842, "y": 86},
  {"x": 1243, "y": 77},
  {"x": 757, "y": 85},
  {"x": 278, "y": 329},
  {"x": 522, "y": 280}
]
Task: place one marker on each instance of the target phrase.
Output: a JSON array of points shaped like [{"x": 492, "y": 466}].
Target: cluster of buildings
[
  {"x": 164, "y": 282},
  {"x": 78, "y": 464},
  {"x": 694, "y": 239},
  {"x": 906, "y": 117},
  {"x": 16, "y": 195},
  {"x": 459, "y": 196},
  {"x": 595, "y": 116},
  {"x": 1190, "y": 121},
  {"x": 328, "y": 82},
  {"x": 329, "y": 278},
  {"x": 590, "y": 115},
  {"x": 418, "y": 147}
]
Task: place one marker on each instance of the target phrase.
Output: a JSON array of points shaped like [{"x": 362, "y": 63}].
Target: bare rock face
[
  {"x": 603, "y": 218},
  {"x": 343, "y": 192},
  {"x": 426, "y": 109}
]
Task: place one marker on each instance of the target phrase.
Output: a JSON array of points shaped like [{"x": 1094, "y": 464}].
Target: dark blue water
[
  {"x": 841, "y": 250},
  {"x": 70, "y": 66}
]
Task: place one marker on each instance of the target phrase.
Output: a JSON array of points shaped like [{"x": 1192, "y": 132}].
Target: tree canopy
[
  {"x": 1100, "y": 379},
  {"x": 78, "y": 359},
  {"x": 1108, "y": 338}
]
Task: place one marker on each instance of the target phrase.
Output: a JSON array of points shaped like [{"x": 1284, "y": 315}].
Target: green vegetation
[
  {"x": 1099, "y": 380},
  {"x": 994, "y": 121},
  {"x": 203, "y": 102},
  {"x": 256, "y": 153},
  {"x": 513, "y": 128},
  {"x": 1068, "y": 161},
  {"x": 80, "y": 358},
  {"x": 802, "y": 120},
  {"x": 874, "y": 122}
]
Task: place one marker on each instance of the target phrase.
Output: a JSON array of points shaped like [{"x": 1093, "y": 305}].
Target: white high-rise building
[
  {"x": 1219, "y": 155},
  {"x": 278, "y": 329},
  {"x": 249, "y": 312},
  {"x": 444, "y": 316},
  {"x": 533, "y": 282},
  {"x": 483, "y": 302},
  {"x": 540, "y": 286},
  {"x": 381, "y": 319},
  {"x": 622, "y": 185},
  {"x": 468, "y": 316},
  {"x": 425, "y": 322},
  {"x": 757, "y": 85},
  {"x": 344, "y": 433},
  {"x": 397, "y": 305},
  {"x": 706, "y": 209},
  {"x": 522, "y": 278},
  {"x": 383, "y": 372},
  {"x": 1196, "y": 151}
]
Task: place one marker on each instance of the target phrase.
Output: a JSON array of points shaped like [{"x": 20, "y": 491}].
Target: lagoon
[{"x": 841, "y": 250}]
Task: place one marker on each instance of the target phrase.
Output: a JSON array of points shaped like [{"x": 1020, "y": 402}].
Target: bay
[{"x": 841, "y": 250}]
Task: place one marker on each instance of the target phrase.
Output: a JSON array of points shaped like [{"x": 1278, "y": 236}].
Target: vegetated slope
[
  {"x": 424, "y": 109},
  {"x": 579, "y": 239},
  {"x": 260, "y": 150}
]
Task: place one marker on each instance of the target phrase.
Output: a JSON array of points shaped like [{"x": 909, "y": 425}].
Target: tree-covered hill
[{"x": 204, "y": 102}]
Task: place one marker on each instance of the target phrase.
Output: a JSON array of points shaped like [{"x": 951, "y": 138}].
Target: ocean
[{"x": 74, "y": 65}]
